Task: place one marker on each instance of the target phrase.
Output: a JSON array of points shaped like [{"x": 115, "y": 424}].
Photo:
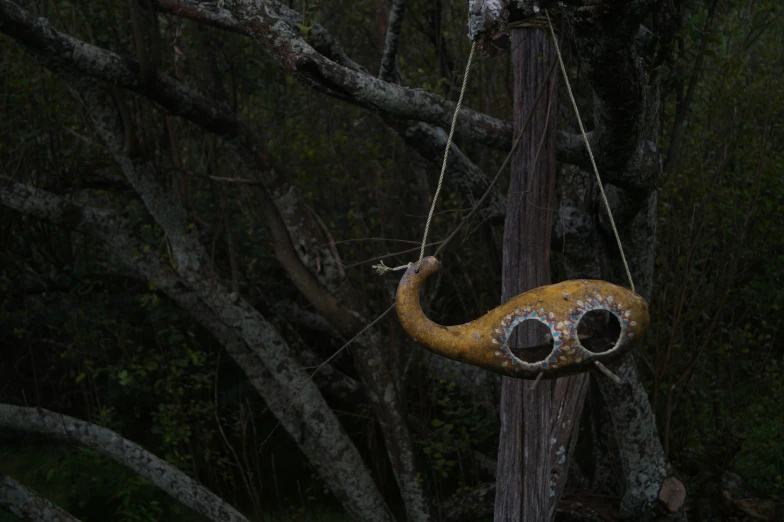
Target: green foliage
[
  {"x": 761, "y": 457},
  {"x": 717, "y": 312},
  {"x": 460, "y": 424},
  {"x": 89, "y": 486}
]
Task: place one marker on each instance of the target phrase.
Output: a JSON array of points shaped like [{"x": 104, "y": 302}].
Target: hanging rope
[
  {"x": 446, "y": 155},
  {"x": 381, "y": 268},
  {"x": 590, "y": 152}
]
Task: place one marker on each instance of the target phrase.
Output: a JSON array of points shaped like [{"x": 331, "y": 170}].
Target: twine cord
[
  {"x": 590, "y": 152},
  {"x": 381, "y": 268}
]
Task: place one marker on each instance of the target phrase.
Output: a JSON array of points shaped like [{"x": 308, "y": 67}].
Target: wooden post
[{"x": 526, "y": 455}]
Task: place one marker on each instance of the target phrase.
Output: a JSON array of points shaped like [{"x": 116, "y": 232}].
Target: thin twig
[
  {"x": 500, "y": 170},
  {"x": 319, "y": 367},
  {"x": 614, "y": 378}
]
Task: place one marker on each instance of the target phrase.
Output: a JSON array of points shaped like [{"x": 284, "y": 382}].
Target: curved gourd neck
[{"x": 409, "y": 308}]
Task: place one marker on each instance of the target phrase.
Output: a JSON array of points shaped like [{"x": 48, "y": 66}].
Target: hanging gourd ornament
[
  {"x": 563, "y": 307},
  {"x": 484, "y": 342}
]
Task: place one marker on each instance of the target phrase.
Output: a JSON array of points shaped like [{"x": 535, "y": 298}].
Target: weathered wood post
[{"x": 534, "y": 427}]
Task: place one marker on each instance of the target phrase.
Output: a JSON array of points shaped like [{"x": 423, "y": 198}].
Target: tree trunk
[{"x": 536, "y": 418}]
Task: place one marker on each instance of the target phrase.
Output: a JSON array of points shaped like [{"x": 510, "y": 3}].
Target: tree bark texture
[
  {"x": 537, "y": 419},
  {"x": 522, "y": 454},
  {"x": 167, "y": 477},
  {"x": 27, "y": 505},
  {"x": 610, "y": 43},
  {"x": 295, "y": 240}
]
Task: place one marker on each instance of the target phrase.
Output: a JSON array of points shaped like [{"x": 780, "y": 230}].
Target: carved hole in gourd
[
  {"x": 536, "y": 339},
  {"x": 598, "y": 331}
]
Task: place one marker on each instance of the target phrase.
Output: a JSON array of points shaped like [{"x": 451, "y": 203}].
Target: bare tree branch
[
  {"x": 60, "y": 51},
  {"x": 604, "y": 35},
  {"x": 194, "y": 268},
  {"x": 28, "y": 505},
  {"x": 642, "y": 456},
  {"x": 253, "y": 343},
  {"x": 110, "y": 444},
  {"x": 295, "y": 240},
  {"x": 382, "y": 97},
  {"x": 428, "y": 140},
  {"x": 298, "y": 57},
  {"x": 332, "y": 380},
  {"x": 624, "y": 118},
  {"x": 211, "y": 14},
  {"x": 388, "y": 69}
]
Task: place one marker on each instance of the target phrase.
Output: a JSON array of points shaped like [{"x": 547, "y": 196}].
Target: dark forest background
[{"x": 83, "y": 335}]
